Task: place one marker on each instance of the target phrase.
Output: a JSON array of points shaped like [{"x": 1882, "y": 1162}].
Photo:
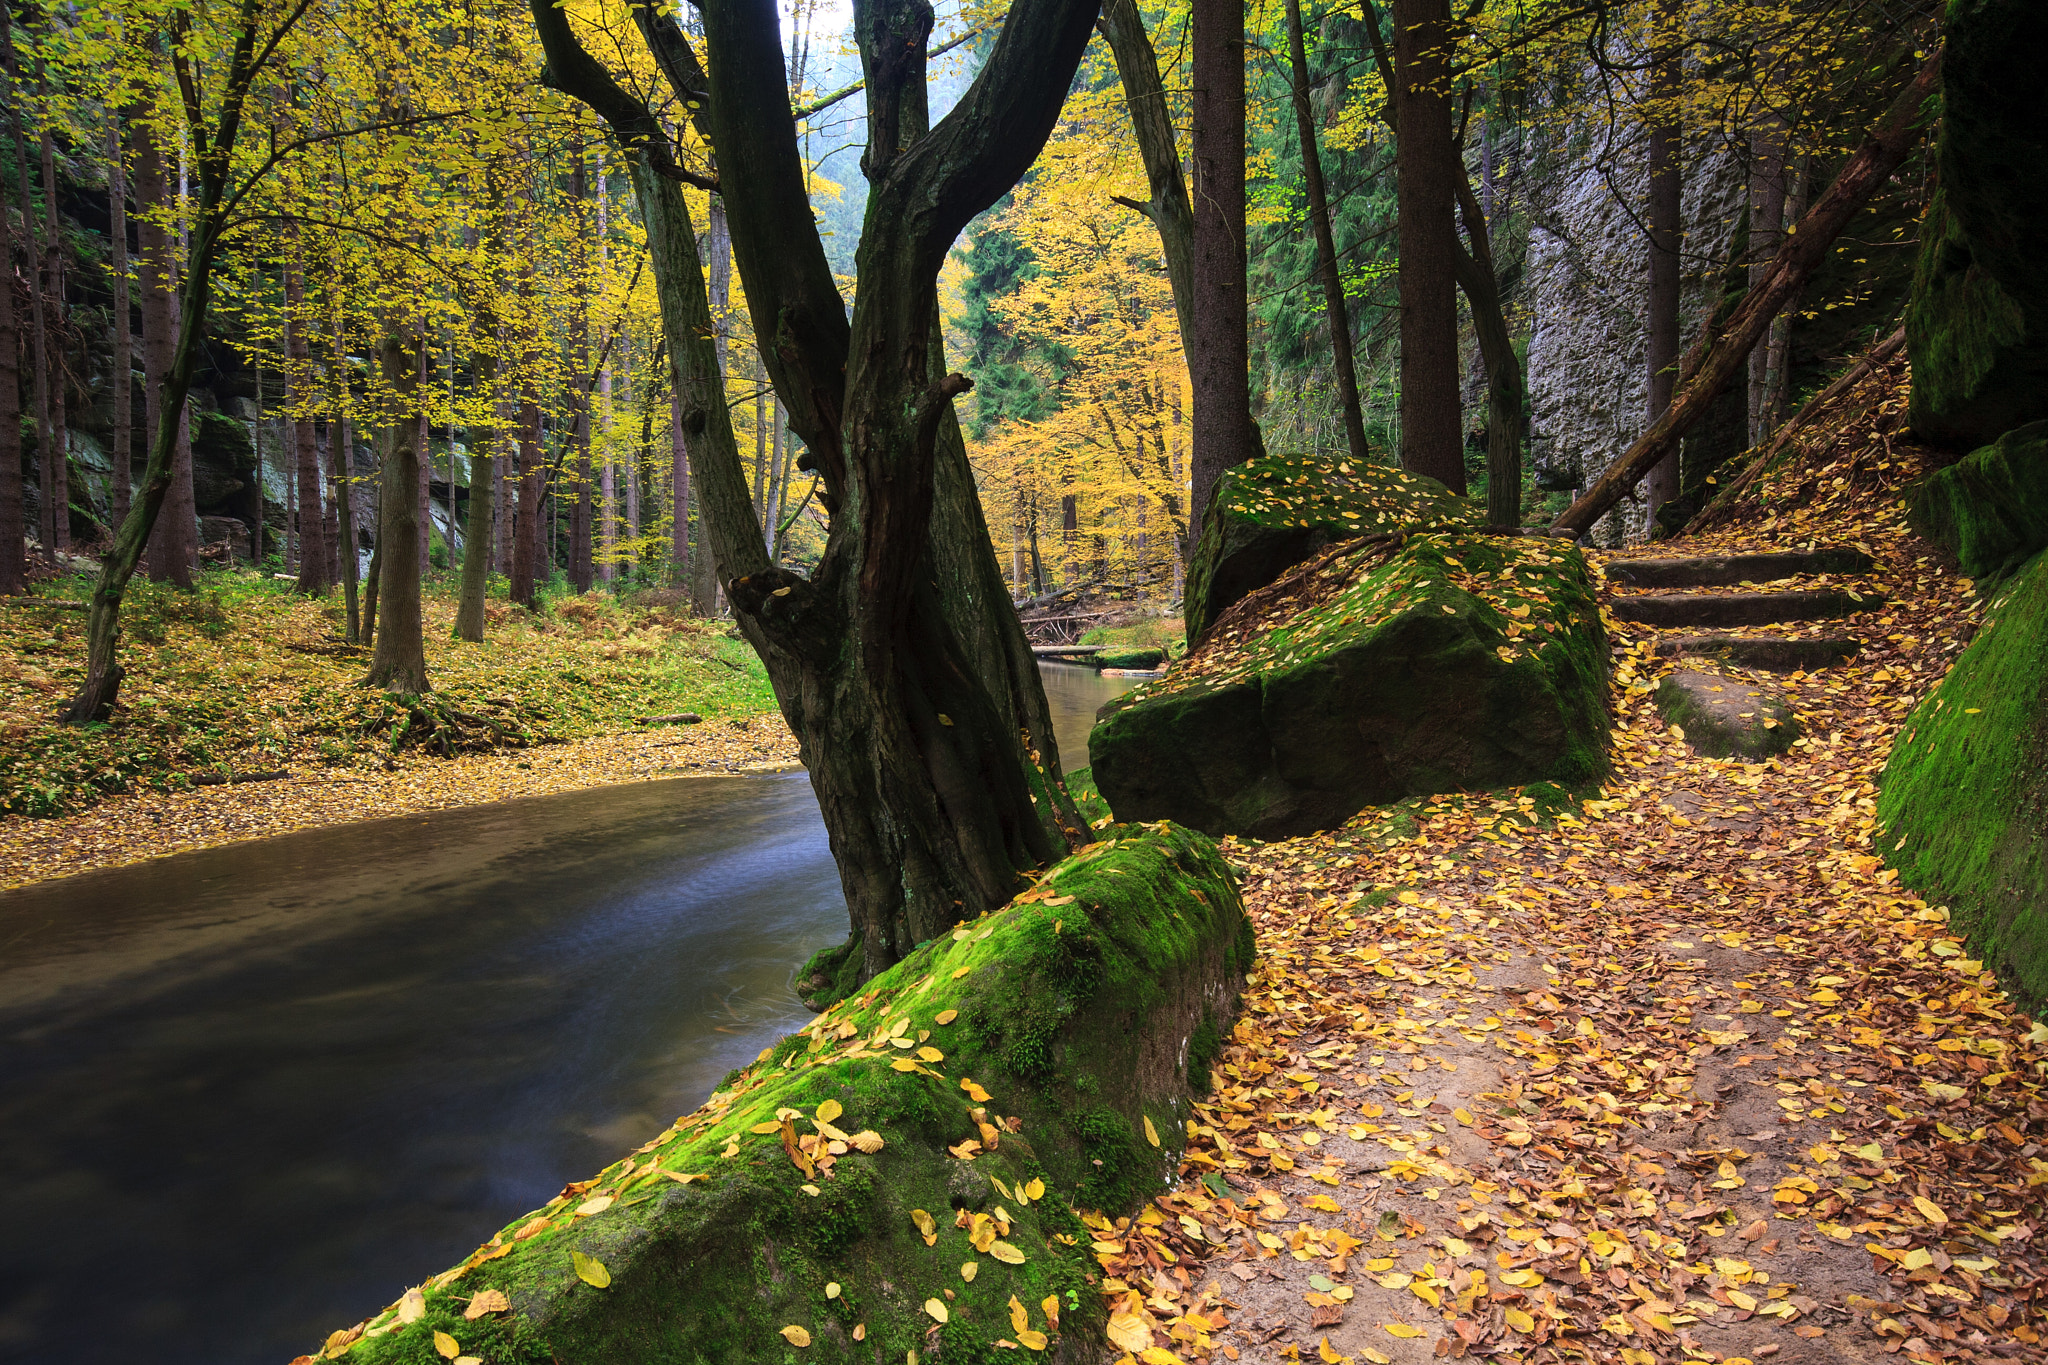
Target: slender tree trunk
[
  {"x": 302, "y": 391},
  {"x": 481, "y": 532},
  {"x": 423, "y": 517},
  {"x": 1506, "y": 402},
  {"x": 1159, "y": 145},
  {"x": 13, "y": 533},
  {"x": 121, "y": 336},
  {"x": 1766, "y": 231},
  {"x": 1334, "y": 307},
  {"x": 1666, "y": 191},
  {"x": 56, "y": 464},
  {"x": 532, "y": 475},
  {"x": 1427, "y": 174},
  {"x": 40, "y": 340},
  {"x": 1219, "y": 364},
  {"x": 679, "y": 483},
  {"x": 400, "y": 662},
  {"x": 376, "y": 575},
  {"x": 1778, "y": 346},
  {"x": 343, "y": 457},
  {"x": 153, "y": 279}
]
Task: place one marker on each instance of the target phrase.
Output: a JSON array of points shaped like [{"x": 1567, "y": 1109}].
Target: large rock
[
  {"x": 1462, "y": 662},
  {"x": 1963, "y": 804},
  {"x": 1991, "y": 508},
  {"x": 955, "y": 1112},
  {"x": 1725, "y": 717},
  {"x": 1978, "y": 324},
  {"x": 1272, "y": 513}
]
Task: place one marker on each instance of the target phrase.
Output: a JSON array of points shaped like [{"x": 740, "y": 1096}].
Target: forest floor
[
  {"x": 242, "y": 718},
  {"x": 1680, "y": 1074}
]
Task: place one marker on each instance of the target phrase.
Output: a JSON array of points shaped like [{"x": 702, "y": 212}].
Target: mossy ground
[
  {"x": 1964, "y": 799},
  {"x": 244, "y": 675},
  {"x": 956, "y": 1113}
]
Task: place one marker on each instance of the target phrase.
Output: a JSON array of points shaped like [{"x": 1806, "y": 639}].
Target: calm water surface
[{"x": 249, "y": 1094}]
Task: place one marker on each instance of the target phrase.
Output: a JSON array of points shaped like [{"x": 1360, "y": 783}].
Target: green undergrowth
[
  {"x": 1963, "y": 804},
  {"x": 1081, "y": 786},
  {"x": 922, "y": 1146},
  {"x": 242, "y": 675}
]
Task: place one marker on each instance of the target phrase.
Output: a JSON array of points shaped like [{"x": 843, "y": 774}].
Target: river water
[{"x": 249, "y": 1094}]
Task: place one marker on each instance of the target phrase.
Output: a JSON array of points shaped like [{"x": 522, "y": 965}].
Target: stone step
[
  {"x": 1725, "y": 717},
  {"x": 1723, "y": 610},
  {"x": 1772, "y": 653},
  {"x": 1726, "y": 571}
]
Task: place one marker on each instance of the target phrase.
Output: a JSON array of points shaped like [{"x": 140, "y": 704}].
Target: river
[{"x": 249, "y": 1094}]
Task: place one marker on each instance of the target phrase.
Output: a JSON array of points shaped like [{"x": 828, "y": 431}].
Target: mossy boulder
[
  {"x": 1455, "y": 662},
  {"x": 1963, "y": 805},
  {"x": 1726, "y": 717},
  {"x": 1991, "y": 508},
  {"x": 1977, "y": 325},
  {"x": 1130, "y": 658},
  {"x": 825, "y": 1201},
  {"x": 1270, "y": 514}
]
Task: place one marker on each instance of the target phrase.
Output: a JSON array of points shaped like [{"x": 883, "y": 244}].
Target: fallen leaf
[
  {"x": 1401, "y": 1329},
  {"x": 969, "y": 1269},
  {"x": 445, "y": 1346},
  {"x": 590, "y": 1270},
  {"x": 793, "y": 1334},
  {"x": 830, "y": 1110},
  {"x": 489, "y": 1301},
  {"x": 1006, "y": 1253},
  {"x": 936, "y": 1309},
  {"x": 1151, "y": 1133},
  {"x": 1031, "y": 1340}
]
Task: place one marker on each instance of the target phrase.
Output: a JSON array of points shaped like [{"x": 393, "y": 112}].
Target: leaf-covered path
[{"x": 1682, "y": 1075}]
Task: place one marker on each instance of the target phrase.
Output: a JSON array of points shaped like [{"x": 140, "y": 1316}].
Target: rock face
[
  {"x": 1963, "y": 804},
  {"x": 1725, "y": 717},
  {"x": 1991, "y": 508},
  {"x": 954, "y": 1112},
  {"x": 1271, "y": 514},
  {"x": 1461, "y": 662},
  {"x": 1978, "y": 325}
]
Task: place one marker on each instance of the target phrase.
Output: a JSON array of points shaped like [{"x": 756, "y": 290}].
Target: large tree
[
  {"x": 898, "y": 663},
  {"x": 1427, "y": 175}
]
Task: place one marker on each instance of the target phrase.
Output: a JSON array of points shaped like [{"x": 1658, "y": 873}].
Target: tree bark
[
  {"x": 1665, "y": 227},
  {"x": 1158, "y": 144},
  {"x": 167, "y": 560},
  {"x": 1716, "y": 357},
  {"x": 1219, "y": 364},
  {"x": 400, "y": 662},
  {"x": 1427, "y": 174},
  {"x": 341, "y": 456},
  {"x": 1506, "y": 396},
  {"x": 38, "y": 304},
  {"x": 121, "y": 335},
  {"x": 56, "y": 456},
  {"x": 909, "y": 685},
  {"x": 1334, "y": 307},
  {"x": 13, "y": 533},
  {"x": 316, "y": 556},
  {"x": 1766, "y": 232},
  {"x": 532, "y": 476}
]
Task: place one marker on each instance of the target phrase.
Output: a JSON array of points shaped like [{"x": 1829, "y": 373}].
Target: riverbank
[{"x": 135, "y": 828}]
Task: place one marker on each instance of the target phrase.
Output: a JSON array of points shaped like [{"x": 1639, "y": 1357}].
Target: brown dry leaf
[{"x": 487, "y": 1301}]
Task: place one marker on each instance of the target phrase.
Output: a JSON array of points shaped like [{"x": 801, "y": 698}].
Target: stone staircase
[{"x": 1721, "y": 715}]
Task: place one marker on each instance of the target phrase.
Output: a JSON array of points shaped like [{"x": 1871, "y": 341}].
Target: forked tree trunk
[
  {"x": 400, "y": 662},
  {"x": 907, "y": 680}
]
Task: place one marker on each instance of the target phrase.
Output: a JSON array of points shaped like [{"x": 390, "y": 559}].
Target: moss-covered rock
[
  {"x": 1460, "y": 662},
  {"x": 1725, "y": 717},
  {"x": 1977, "y": 326},
  {"x": 1270, "y": 514},
  {"x": 1963, "y": 804},
  {"x": 1990, "y": 509},
  {"x": 1130, "y": 658},
  {"x": 823, "y": 1206}
]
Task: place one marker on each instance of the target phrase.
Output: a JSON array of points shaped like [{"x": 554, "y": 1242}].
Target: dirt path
[
  {"x": 131, "y": 829},
  {"x": 1684, "y": 1077}
]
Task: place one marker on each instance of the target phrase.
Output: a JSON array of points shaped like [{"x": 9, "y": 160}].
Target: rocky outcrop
[
  {"x": 897, "y": 1180},
  {"x": 1963, "y": 804},
  {"x": 1990, "y": 509},
  {"x": 1272, "y": 513},
  {"x": 1978, "y": 324},
  {"x": 1724, "y": 717},
  {"x": 1373, "y": 673}
]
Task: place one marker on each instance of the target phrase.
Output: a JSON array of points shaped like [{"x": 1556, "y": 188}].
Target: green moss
[
  {"x": 1963, "y": 804},
  {"x": 831, "y": 975},
  {"x": 1269, "y": 514},
  {"x": 1081, "y": 786},
  {"x": 1459, "y": 662},
  {"x": 1991, "y": 509},
  {"x": 1131, "y": 658},
  {"x": 1070, "y": 1021}
]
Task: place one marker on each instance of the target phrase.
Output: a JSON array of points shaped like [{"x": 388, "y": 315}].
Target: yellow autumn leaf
[
  {"x": 1035, "y": 1190},
  {"x": 489, "y": 1301},
  {"x": 1031, "y": 1341},
  {"x": 1020, "y": 1317},
  {"x": 796, "y": 1336},
  {"x": 1329, "y": 1356},
  {"x": 1463, "y": 1116},
  {"x": 962, "y": 972},
  {"x": 924, "y": 1222},
  {"x": 412, "y": 1305},
  {"x": 904, "y": 1064},
  {"x": 832, "y": 1290},
  {"x": 969, "y": 1269},
  {"x": 1401, "y": 1329},
  {"x": 769, "y": 1127},
  {"x": 830, "y": 1110},
  {"x": 974, "y": 1092},
  {"x": 591, "y": 1206},
  {"x": 930, "y": 1054},
  {"x": 1006, "y": 1253},
  {"x": 1519, "y": 1320},
  {"x": 1930, "y": 1210},
  {"x": 1322, "y": 1203},
  {"x": 1128, "y": 1330},
  {"x": 1151, "y": 1133},
  {"x": 445, "y": 1346},
  {"x": 936, "y": 1308},
  {"x": 867, "y": 1140},
  {"x": 590, "y": 1270},
  {"x": 946, "y": 1017}
]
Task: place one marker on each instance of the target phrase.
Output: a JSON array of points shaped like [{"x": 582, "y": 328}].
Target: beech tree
[{"x": 898, "y": 663}]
